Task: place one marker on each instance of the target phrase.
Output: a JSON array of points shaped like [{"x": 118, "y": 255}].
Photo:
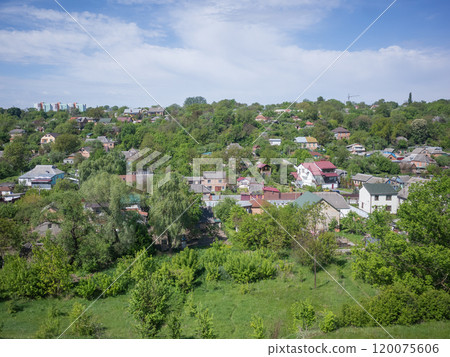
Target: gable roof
[
  {"x": 340, "y": 130},
  {"x": 361, "y": 177},
  {"x": 308, "y": 198},
  {"x": 325, "y": 165},
  {"x": 380, "y": 189},
  {"x": 42, "y": 171},
  {"x": 300, "y": 139},
  {"x": 310, "y": 139},
  {"x": 334, "y": 199}
]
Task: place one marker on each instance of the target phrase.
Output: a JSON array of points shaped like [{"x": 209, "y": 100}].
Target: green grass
[
  {"x": 355, "y": 238},
  {"x": 231, "y": 308}
]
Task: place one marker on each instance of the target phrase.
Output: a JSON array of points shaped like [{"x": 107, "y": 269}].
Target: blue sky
[{"x": 250, "y": 50}]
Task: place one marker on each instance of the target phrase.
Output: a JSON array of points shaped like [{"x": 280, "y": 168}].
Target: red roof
[
  {"x": 271, "y": 189},
  {"x": 241, "y": 178},
  {"x": 309, "y": 123},
  {"x": 259, "y": 166},
  {"x": 311, "y": 166},
  {"x": 315, "y": 153},
  {"x": 330, "y": 174},
  {"x": 325, "y": 165},
  {"x": 295, "y": 174}
]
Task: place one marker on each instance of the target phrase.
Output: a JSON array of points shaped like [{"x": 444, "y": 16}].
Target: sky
[{"x": 155, "y": 52}]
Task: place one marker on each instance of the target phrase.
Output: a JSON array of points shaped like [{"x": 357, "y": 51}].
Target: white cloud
[{"x": 219, "y": 57}]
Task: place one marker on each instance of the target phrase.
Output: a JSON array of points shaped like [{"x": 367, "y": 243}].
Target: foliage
[
  {"x": 17, "y": 278},
  {"x": 51, "y": 327},
  {"x": 257, "y": 324},
  {"x": 322, "y": 249},
  {"x": 425, "y": 215},
  {"x": 248, "y": 267},
  {"x": 13, "y": 307},
  {"x": 224, "y": 208},
  {"x": 304, "y": 315},
  {"x": 174, "y": 325},
  {"x": 149, "y": 305},
  {"x": 329, "y": 322},
  {"x": 52, "y": 269},
  {"x": 205, "y": 328},
  {"x": 173, "y": 209},
  {"x": 143, "y": 266},
  {"x": 84, "y": 323},
  {"x": 353, "y": 223}
]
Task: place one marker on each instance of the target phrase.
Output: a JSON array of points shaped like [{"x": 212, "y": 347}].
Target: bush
[
  {"x": 353, "y": 315},
  {"x": 434, "y": 305},
  {"x": 181, "y": 277},
  {"x": 257, "y": 324},
  {"x": 174, "y": 325},
  {"x": 304, "y": 315},
  {"x": 121, "y": 277},
  {"x": 205, "y": 327},
  {"x": 83, "y": 322},
  {"x": 329, "y": 322},
  {"x": 394, "y": 305},
  {"x": 87, "y": 288},
  {"x": 187, "y": 258},
  {"x": 51, "y": 326},
  {"x": 249, "y": 267},
  {"x": 143, "y": 267},
  {"x": 17, "y": 278},
  {"x": 212, "y": 271}
]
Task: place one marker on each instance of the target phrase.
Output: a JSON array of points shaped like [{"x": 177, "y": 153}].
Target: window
[
  {"x": 388, "y": 208},
  {"x": 209, "y": 181},
  {"x": 220, "y": 181},
  {"x": 388, "y": 197},
  {"x": 377, "y": 197}
]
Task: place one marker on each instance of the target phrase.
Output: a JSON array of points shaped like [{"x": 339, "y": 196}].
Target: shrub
[
  {"x": 434, "y": 305},
  {"x": 17, "y": 278},
  {"x": 395, "y": 304},
  {"x": 87, "y": 288},
  {"x": 212, "y": 271},
  {"x": 121, "y": 277},
  {"x": 174, "y": 325},
  {"x": 181, "y": 277},
  {"x": 329, "y": 322},
  {"x": 353, "y": 315},
  {"x": 249, "y": 267},
  {"x": 304, "y": 315},
  {"x": 83, "y": 322},
  {"x": 205, "y": 327},
  {"x": 143, "y": 266},
  {"x": 257, "y": 324},
  {"x": 50, "y": 327},
  {"x": 187, "y": 258}
]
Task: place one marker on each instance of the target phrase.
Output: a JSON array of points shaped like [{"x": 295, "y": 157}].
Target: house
[
  {"x": 315, "y": 154},
  {"x": 86, "y": 151},
  {"x": 7, "y": 188},
  {"x": 16, "y": 133},
  {"x": 130, "y": 153},
  {"x": 264, "y": 169},
  {"x": 131, "y": 112},
  {"x": 261, "y": 118},
  {"x": 275, "y": 142},
  {"x": 356, "y": 149},
  {"x": 69, "y": 160},
  {"x": 341, "y": 133},
  {"x": 124, "y": 119},
  {"x": 309, "y": 124},
  {"x": 155, "y": 111},
  {"x": 81, "y": 121},
  {"x": 329, "y": 212},
  {"x": 404, "y": 192},
  {"x": 376, "y": 195},
  {"x": 360, "y": 179},
  {"x": 49, "y": 138},
  {"x": 108, "y": 144},
  {"x": 319, "y": 173},
  {"x": 421, "y": 161},
  {"x": 215, "y": 181},
  {"x": 104, "y": 121},
  {"x": 307, "y": 142},
  {"x": 42, "y": 176},
  {"x": 435, "y": 151},
  {"x": 45, "y": 227}
]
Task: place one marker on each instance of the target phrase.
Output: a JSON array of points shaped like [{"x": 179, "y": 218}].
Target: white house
[
  {"x": 42, "y": 176},
  {"x": 318, "y": 173},
  {"x": 275, "y": 142},
  {"x": 375, "y": 195}
]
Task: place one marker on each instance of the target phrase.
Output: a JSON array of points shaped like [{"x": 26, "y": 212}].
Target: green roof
[
  {"x": 308, "y": 198},
  {"x": 380, "y": 189}
]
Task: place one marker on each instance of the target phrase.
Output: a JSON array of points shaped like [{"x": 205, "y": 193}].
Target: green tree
[
  {"x": 84, "y": 323},
  {"x": 66, "y": 143},
  {"x": 304, "y": 315},
  {"x": 16, "y": 154},
  {"x": 425, "y": 214},
  {"x": 173, "y": 208},
  {"x": 194, "y": 100},
  {"x": 51, "y": 267},
  {"x": 257, "y": 324},
  {"x": 205, "y": 327},
  {"x": 419, "y": 131},
  {"x": 149, "y": 305}
]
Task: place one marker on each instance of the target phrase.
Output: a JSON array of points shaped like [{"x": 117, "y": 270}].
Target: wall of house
[{"x": 364, "y": 200}]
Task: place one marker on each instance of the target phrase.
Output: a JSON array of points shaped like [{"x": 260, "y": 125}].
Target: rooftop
[{"x": 380, "y": 189}]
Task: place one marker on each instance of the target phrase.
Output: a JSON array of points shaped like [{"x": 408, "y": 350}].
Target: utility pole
[{"x": 351, "y": 96}]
